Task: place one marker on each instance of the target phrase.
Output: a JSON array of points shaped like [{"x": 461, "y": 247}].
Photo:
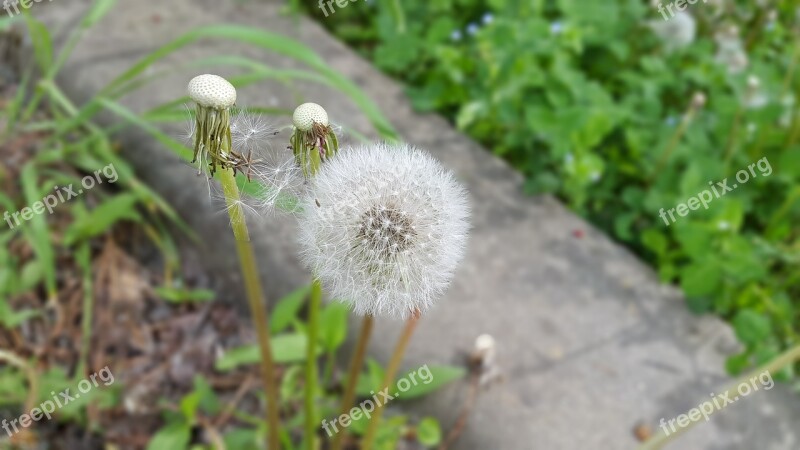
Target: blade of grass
[
  {"x": 42, "y": 42},
  {"x": 97, "y": 11},
  {"x": 269, "y": 41},
  {"x": 36, "y": 231},
  {"x": 83, "y": 258}
]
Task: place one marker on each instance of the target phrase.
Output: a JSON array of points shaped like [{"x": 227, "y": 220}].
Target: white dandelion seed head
[
  {"x": 212, "y": 91},
  {"x": 384, "y": 227},
  {"x": 307, "y": 114}
]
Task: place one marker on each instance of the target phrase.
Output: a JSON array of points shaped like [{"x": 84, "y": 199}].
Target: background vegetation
[{"x": 593, "y": 102}]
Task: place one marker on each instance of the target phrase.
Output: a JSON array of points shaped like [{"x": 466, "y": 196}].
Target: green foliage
[
  {"x": 562, "y": 91},
  {"x": 75, "y": 145}
]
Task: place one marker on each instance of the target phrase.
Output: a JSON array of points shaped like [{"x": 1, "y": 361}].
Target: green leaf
[
  {"x": 98, "y": 11},
  {"x": 209, "y": 402},
  {"x": 751, "y": 327},
  {"x": 429, "y": 433},
  {"x": 370, "y": 382},
  {"x": 426, "y": 379},
  {"x": 102, "y": 218},
  {"x": 333, "y": 326},
  {"x": 179, "y": 295},
  {"x": 188, "y": 406},
  {"x": 174, "y": 436},
  {"x": 286, "y": 310},
  {"x": 736, "y": 364},
  {"x": 36, "y": 231},
  {"x": 11, "y": 319},
  {"x": 700, "y": 279},
  {"x": 42, "y": 43},
  {"x": 286, "y": 348},
  {"x": 242, "y": 439}
]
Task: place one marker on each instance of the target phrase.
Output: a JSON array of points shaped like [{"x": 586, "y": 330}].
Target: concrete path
[{"x": 589, "y": 342}]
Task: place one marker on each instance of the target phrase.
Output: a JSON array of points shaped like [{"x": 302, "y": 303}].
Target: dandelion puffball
[
  {"x": 307, "y": 114},
  {"x": 212, "y": 91},
  {"x": 384, "y": 227}
]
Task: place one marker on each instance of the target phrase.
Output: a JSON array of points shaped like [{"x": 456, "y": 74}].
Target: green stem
[
  {"x": 30, "y": 374},
  {"x": 311, "y": 364},
  {"x": 783, "y": 360},
  {"x": 88, "y": 303},
  {"x": 673, "y": 142},
  {"x": 391, "y": 372},
  {"x": 255, "y": 298},
  {"x": 352, "y": 378},
  {"x": 399, "y": 16}
]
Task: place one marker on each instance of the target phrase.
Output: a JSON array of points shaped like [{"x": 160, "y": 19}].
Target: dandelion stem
[
  {"x": 352, "y": 377},
  {"x": 311, "y": 364},
  {"x": 399, "y": 16},
  {"x": 391, "y": 372},
  {"x": 255, "y": 298},
  {"x": 783, "y": 360},
  {"x": 674, "y": 140}
]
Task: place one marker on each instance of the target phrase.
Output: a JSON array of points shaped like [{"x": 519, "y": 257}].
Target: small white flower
[
  {"x": 487, "y": 18},
  {"x": 384, "y": 227},
  {"x": 212, "y": 91},
  {"x": 472, "y": 29},
  {"x": 556, "y": 27},
  {"x": 730, "y": 50},
  {"x": 307, "y": 114},
  {"x": 678, "y": 32},
  {"x": 456, "y": 35}
]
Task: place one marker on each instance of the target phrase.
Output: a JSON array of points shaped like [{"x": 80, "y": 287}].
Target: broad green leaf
[{"x": 333, "y": 326}]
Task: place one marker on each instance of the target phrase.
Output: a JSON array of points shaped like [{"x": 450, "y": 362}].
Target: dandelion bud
[
  {"x": 384, "y": 227},
  {"x": 698, "y": 100},
  {"x": 485, "y": 350}
]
